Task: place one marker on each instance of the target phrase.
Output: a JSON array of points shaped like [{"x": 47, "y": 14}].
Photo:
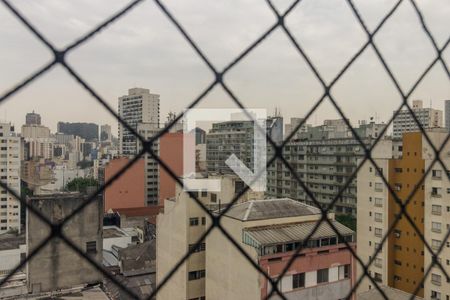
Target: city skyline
[{"x": 163, "y": 62}]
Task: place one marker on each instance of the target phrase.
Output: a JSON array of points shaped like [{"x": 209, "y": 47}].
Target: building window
[
  {"x": 436, "y": 279},
  {"x": 435, "y": 244},
  {"x": 436, "y": 210},
  {"x": 203, "y": 220},
  {"x": 204, "y": 193},
  {"x": 194, "y": 275},
  {"x": 379, "y": 202},
  {"x": 436, "y": 192},
  {"x": 378, "y": 187},
  {"x": 200, "y": 247},
  {"x": 213, "y": 198},
  {"x": 378, "y": 217},
  {"x": 435, "y": 295},
  {"x": 437, "y": 174},
  {"x": 378, "y": 232},
  {"x": 436, "y": 227},
  {"x": 378, "y": 262},
  {"x": 298, "y": 280},
  {"x": 91, "y": 247},
  {"x": 377, "y": 277},
  {"x": 322, "y": 275},
  {"x": 193, "y": 221}
]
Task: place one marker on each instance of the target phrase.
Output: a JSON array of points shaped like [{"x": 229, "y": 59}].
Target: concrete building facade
[
  {"x": 56, "y": 266},
  {"x": 427, "y": 117},
  {"x": 403, "y": 258},
  {"x": 179, "y": 228},
  {"x": 139, "y": 106},
  {"x": 236, "y": 137},
  {"x": 10, "y": 149}
]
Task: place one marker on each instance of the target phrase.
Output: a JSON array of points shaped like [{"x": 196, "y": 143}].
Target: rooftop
[
  {"x": 113, "y": 232},
  {"x": 285, "y": 233},
  {"x": 391, "y": 293},
  {"x": 138, "y": 259},
  {"x": 139, "y": 211},
  {"x": 270, "y": 209}
]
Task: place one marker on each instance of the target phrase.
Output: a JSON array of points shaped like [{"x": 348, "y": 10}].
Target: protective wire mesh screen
[{"x": 59, "y": 58}]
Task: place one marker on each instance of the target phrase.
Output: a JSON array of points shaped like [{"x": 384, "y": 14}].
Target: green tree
[
  {"x": 347, "y": 220},
  {"x": 80, "y": 184}
]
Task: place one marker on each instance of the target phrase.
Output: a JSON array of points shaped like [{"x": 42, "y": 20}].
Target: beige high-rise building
[
  {"x": 403, "y": 261},
  {"x": 139, "y": 106},
  {"x": 9, "y": 175},
  {"x": 427, "y": 117},
  {"x": 179, "y": 228}
]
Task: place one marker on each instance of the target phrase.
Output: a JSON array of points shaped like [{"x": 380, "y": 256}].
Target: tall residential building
[
  {"x": 56, "y": 266},
  {"x": 151, "y": 166},
  {"x": 403, "y": 258},
  {"x": 270, "y": 231},
  {"x": 87, "y": 131},
  {"x": 178, "y": 229},
  {"x": 9, "y": 175},
  {"x": 105, "y": 133},
  {"x": 33, "y": 118},
  {"x": 447, "y": 114},
  {"x": 139, "y": 106},
  {"x": 324, "y": 158},
  {"x": 427, "y": 117},
  {"x": 236, "y": 137}
]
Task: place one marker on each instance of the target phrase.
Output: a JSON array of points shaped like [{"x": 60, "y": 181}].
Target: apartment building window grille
[
  {"x": 195, "y": 275},
  {"x": 378, "y": 217},
  {"x": 378, "y": 232},
  {"x": 436, "y": 279},
  {"x": 200, "y": 247},
  {"x": 436, "y": 210},
  {"x": 436, "y": 227},
  {"x": 435, "y": 244}
]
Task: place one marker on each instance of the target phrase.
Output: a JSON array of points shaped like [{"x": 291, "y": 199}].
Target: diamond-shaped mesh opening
[{"x": 277, "y": 155}]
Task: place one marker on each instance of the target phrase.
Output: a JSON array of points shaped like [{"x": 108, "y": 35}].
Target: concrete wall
[
  {"x": 229, "y": 274},
  {"x": 171, "y": 243},
  {"x": 57, "y": 266},
  {"x": 129, "y": 189}
]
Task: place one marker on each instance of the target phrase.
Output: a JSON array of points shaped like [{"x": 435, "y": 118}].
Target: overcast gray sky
[{"x": 144, "y": 49}]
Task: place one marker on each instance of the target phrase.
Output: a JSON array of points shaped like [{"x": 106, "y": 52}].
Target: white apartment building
[
  {"x": 147, "y": 131},
  {"x": 428, "y": 118},
  {"x": 179, "y": 228},
  {"x": 139, "y": 106},
  {"x": 404, "y": 259},
  {"x": 9, "y": 175}
]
